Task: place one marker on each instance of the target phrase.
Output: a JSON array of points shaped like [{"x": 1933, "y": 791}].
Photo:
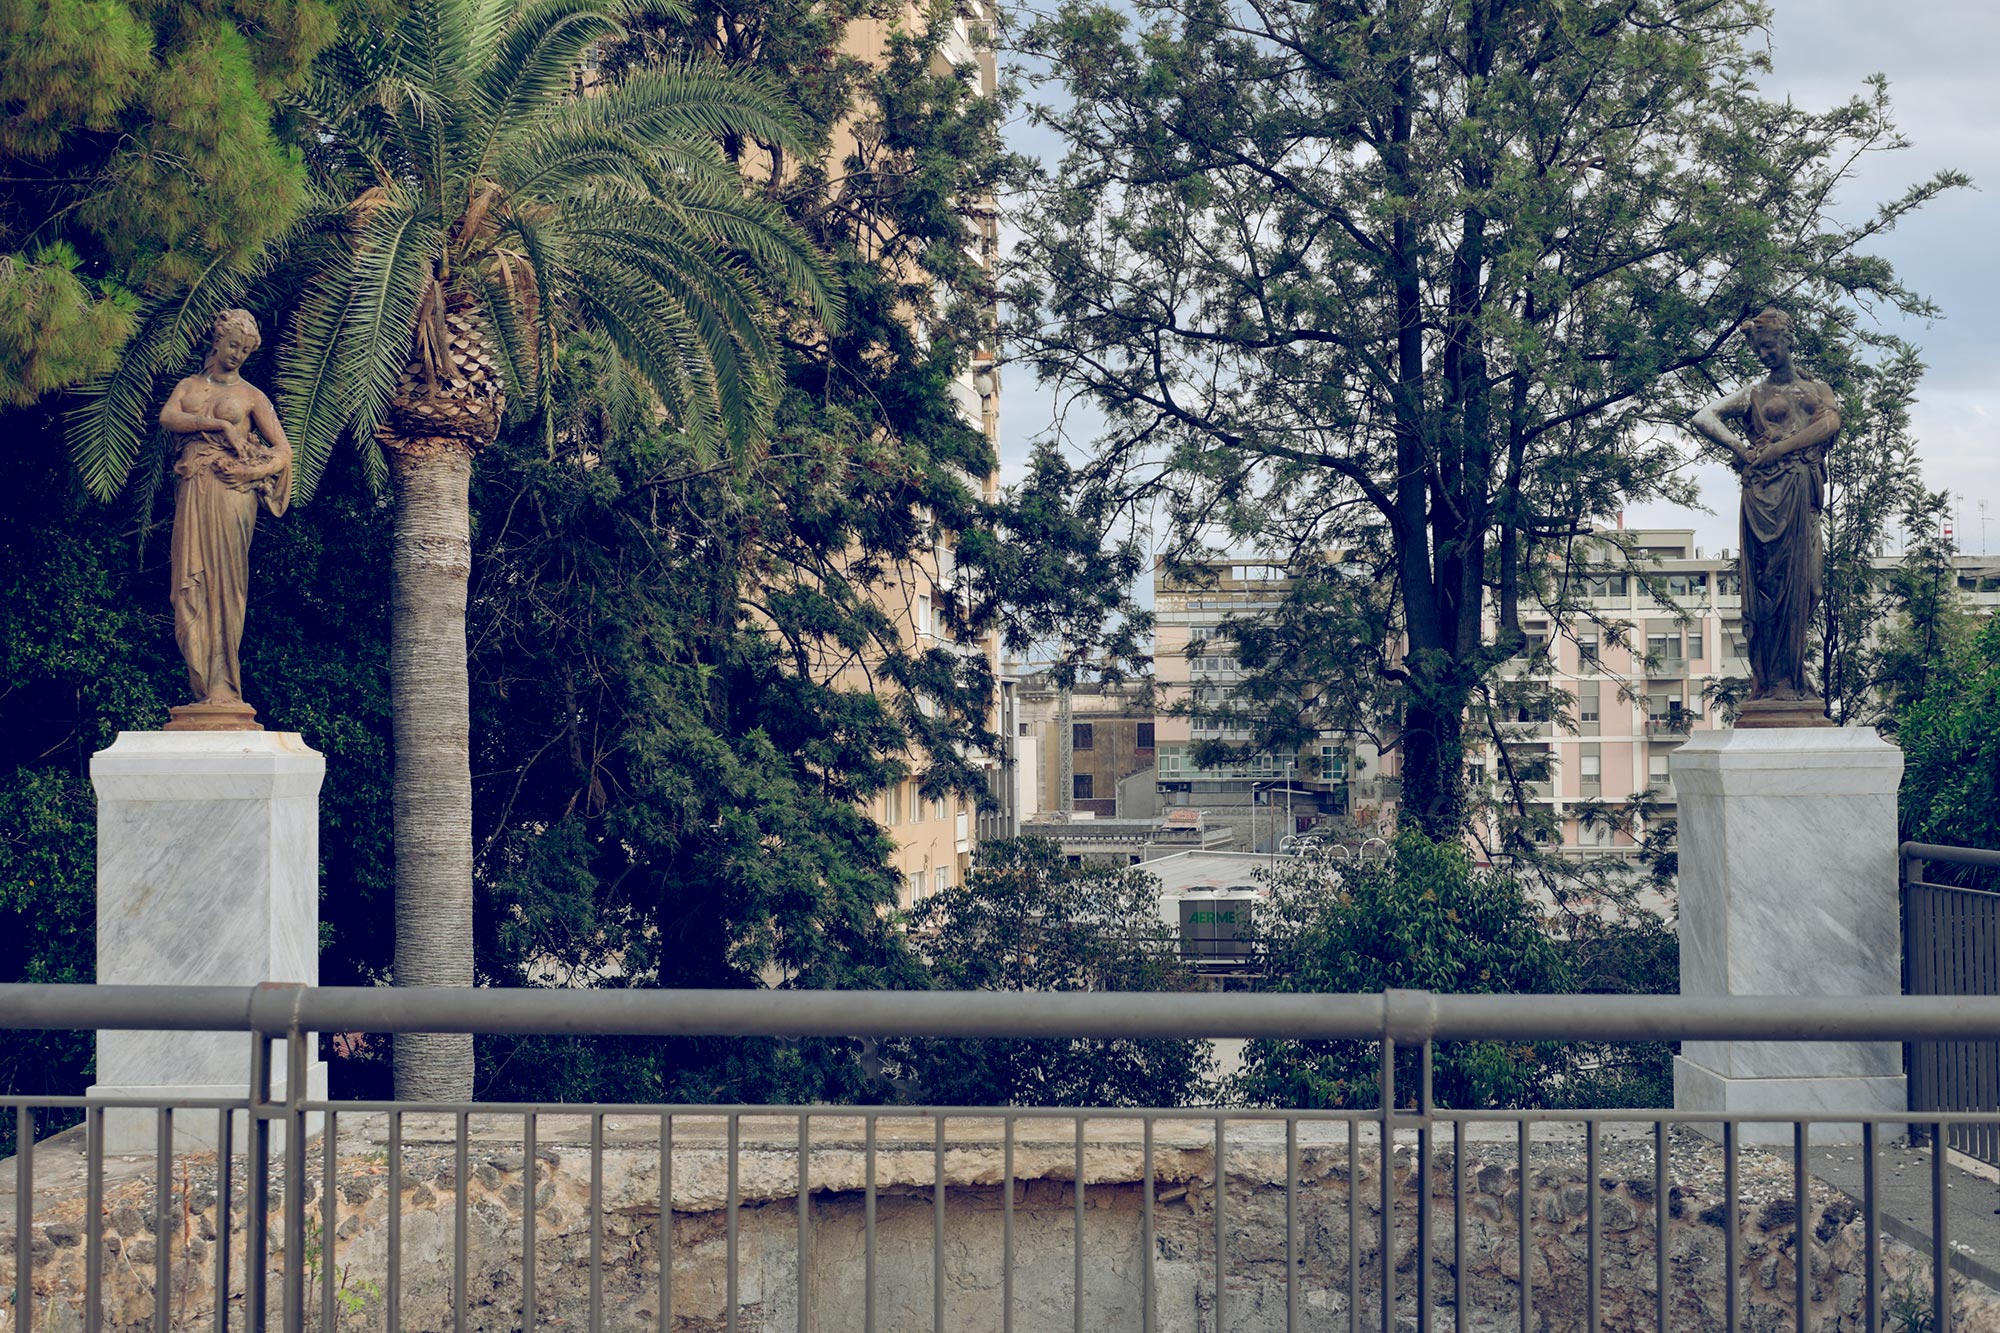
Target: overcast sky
[{"x": 1938, "y": 56}]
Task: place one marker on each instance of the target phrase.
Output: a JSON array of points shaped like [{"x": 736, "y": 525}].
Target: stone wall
[{"x": 1253, "y": 1205}]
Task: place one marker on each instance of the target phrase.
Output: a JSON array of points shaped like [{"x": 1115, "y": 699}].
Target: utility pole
[
  {"x": 1291, "y": 766},
  {"x": 1066, "y": 753}
]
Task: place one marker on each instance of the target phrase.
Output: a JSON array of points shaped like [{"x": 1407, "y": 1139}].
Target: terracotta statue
[
  {"x": 234, "y": 458},
  {"x": 1789, "y": 422}
]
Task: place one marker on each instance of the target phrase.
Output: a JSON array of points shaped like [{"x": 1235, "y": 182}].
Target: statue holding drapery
[
  {"x": 234, "y": 460},
  {"x": 1788, "y": 424}
]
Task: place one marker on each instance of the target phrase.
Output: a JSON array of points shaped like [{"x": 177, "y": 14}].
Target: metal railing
[
  {"x": 1951, "y": 946},
  {"x": 1405, "y": 1118}
]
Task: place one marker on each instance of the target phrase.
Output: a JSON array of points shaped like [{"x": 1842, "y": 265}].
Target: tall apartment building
[
  {"x": 935, "y": 838},
  {"x": 1268, "y": 796},
  {"x": 1634, "y": 667}
]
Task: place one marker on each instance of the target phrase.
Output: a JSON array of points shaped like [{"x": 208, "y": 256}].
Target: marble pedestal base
[
  {"x": 1699, "y": 1088},
  {"x": 1788, "y": 887},
  {"x": 207, "y": 875}
]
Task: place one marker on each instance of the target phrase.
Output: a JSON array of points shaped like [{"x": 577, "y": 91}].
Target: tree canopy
[
  {"x": 141, "y": 150},
  {"x": 1415, "y": 293}
]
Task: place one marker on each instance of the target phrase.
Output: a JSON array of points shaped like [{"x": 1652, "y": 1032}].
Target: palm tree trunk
[{"x": 432, "y": 562}]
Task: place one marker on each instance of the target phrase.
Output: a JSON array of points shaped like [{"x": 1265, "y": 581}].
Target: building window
[
  {"x": 1143, "y": 739},
  {"x": 1587, "y": 648},
  {"x": 895, "y": 803},
  {"x": 1332, "y": 763},
  {"x": 1590, "y": 767},
  {"x": 1605, "y": 585},
  {"x": 916, "y": 886},
  {"x": 1589, "y": 701},
  {"x": 1082, "y": 736},
  {"x": 924, "y": 614},
  {"x": 1172, "y": 759},
  {"x": 937, "y": 808},
  {"x": 1022, "y": 729},
  {"x": 1694, "y": 645},
  {"x": 943, "y": 878},
  {"x": 1686, "y": 585},
  {"x": 1656, "y": 769},
  {"x": 1081, "y": 785}
]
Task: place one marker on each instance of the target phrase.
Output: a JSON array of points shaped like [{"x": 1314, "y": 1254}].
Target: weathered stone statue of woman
[
  {"x": 1789, "y": 422},
  {"x": 234, "y": 459}
]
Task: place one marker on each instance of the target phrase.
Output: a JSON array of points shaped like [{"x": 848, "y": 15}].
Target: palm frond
[
  {"x": 651, "y": 333},
  {"x": 660, "y": 108},
  {"x": 395, "y": 249},
  {"x": 554, "y": 163},
  {"x": 502, "y": 300},
  {"x": 311, "y": 399},
  {"x": 544, "y": 251},
  {"x": 718, "y": 302},
  {"x": 761, "y": 231},
  {"x": 530, "y": 69}
]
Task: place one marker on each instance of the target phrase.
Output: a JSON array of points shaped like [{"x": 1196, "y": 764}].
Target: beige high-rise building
[{"x": 934, "y": 838}]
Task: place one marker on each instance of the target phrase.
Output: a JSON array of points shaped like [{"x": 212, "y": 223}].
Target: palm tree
[{"x": 475, "y": 210}]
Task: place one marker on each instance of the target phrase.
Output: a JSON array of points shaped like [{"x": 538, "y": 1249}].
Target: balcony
[
  {"x": 1673, "y": 726},
  {"x": 762, "y": 1218}
]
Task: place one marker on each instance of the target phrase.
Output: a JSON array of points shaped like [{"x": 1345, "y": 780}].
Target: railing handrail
[
  {"x": 1405, "y": 1015},
  {"x": 1957, "y": 856}
]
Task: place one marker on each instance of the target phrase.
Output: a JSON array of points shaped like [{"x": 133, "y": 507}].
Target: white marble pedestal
[
  {"x": 1788, "y": 887},
  {"x": 207, "y": 875}
]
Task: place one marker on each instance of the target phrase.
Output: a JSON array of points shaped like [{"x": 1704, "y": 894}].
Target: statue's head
[
  {"x": 232, "y": 338},
  {"x": 1770, "y": 335}
]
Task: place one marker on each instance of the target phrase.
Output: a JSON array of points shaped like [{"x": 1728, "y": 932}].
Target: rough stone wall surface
[{"x": 1253, "y": 1227}]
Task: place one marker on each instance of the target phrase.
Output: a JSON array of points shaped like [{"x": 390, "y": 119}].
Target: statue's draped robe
[
  {"x": 1784, "y": 558},
  {"x": 213, "y": 523}
]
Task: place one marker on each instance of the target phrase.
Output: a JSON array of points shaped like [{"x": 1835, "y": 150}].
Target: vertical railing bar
[
  {"x": 1291, "y": 1224},
  {"x": 1007, "y": 1225},
  {"x": 1662, "y": 1222},
  {"x": 461, "y": 1170},
  {"x": 295, "y": 1180},
  {"x": 1221, "y": 1226},
  {"x": 1730, "y": 1226},
  {"x": 225, "y": 1152},
  {"x": 1871, "y": 1256},
  {"x": 257, "y": 1185},
  {"x": 393, "y": 1290},
  {"x": 1353, "y": 1224},
  {"x": 529, "y": 1148},
  {"x": 163, "y": 1203},
  {"x": 734, "y": 1144},
  {"x": 1148, "y": 1244},
  {"x": 24, "y": 1217},
  {"x": 329, "y": 1217},
  {"x": 805, "y": 1223},
  {"x": 1592, "y": 1250},
  {"x": 1387, "y": 1171},
  {"x": 1521, "y": 1211},
  {"x": 1422, "y": 1175},
  {"x": 1076, "y": 1276},
  {"x": 666, "y": 1224},
  {"x": 937, "y": 1221},
  {"x": 1801, "y": 1231},
  {"x": 93, "y": 1221},
  {"x": 596, "y": 1307},
  {"x": 1940, "y": 1230},
  {"x": 1458, "y": 1276},
  {"x": 868, "y": 1227}
]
